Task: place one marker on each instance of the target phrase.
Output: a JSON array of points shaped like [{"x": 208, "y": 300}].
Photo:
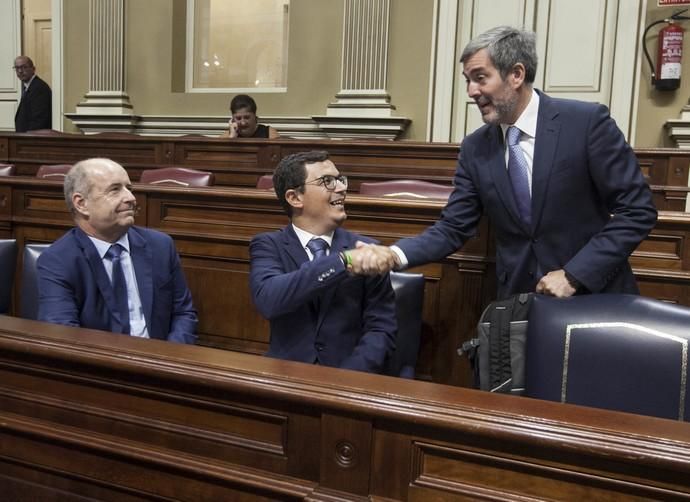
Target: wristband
[{"x": 347, "y": 259}]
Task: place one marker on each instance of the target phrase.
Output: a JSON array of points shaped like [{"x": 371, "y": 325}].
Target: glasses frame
[
  {"x": 321, "y": 180},
  {"x": 22, "y": 67}
]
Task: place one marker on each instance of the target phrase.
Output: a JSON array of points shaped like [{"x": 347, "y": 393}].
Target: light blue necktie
[
  {"x": 119, "y": 286},
  {"x": 318, "y": 247},
  {"x": 518, "y": 172}
]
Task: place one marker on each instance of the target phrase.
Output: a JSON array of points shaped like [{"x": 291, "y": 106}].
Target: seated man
[
  {"x": 108, "y": 274},
  {"x": 319, "y": 313}
]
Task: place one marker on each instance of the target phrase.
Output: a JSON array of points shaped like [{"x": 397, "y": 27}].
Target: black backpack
[{"x": 497, "y": 354}]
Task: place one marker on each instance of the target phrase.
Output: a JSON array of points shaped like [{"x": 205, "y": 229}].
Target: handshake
[{"x": 370, "y": 259}]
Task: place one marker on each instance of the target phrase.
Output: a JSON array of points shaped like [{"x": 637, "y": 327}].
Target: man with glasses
[
  {"x": 35, "y": 107},
  {"x": 319, "y": 312}
]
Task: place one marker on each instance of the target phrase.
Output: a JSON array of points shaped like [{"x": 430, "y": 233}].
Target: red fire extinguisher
[
  {"x": 666, "y": 74},
  {"x": 668, "y": 58}
]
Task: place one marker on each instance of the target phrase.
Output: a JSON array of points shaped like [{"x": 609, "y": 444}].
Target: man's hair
[
  {"x": 291, "y": 173},
  {"x": 78, "y": 180},
  {"x": 242, "y": 101},
  {"x": 28, "y": 60},
  {"x": 506, "y": 46}
]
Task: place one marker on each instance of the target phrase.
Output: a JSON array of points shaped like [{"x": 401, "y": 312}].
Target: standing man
[
  {"x": 561, "y": 187},
  {"x": 319, "y": 313},
  {"x": 108, "y": 274},
  {"x": 35, "y": 108}
]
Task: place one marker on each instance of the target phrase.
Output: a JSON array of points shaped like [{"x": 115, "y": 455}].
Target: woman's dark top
[{"x": 261, "y": 132}]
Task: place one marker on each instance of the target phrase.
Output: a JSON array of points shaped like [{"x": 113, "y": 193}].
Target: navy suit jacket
[
  {"x": 591, "y": 206},
  {"x": 75, "y": 289},
  {"x": 318, "y": 312},
  {"x": 35, "y": 108}
]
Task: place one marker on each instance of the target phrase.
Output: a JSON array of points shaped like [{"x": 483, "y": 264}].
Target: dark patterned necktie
[
  {"x": 119, "y": 285},
  {"x": 518, "y": 172},
  {"x": 318, "y": 247}
]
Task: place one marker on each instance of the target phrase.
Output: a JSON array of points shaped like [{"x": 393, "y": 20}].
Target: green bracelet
[{"x": 347, "y": 259}]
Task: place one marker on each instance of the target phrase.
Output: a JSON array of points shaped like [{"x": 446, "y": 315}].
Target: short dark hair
[
  {"x": 242, "y": 101},
  {"x": 291, "y": 173},
  {"x": 506, "y": 46}
]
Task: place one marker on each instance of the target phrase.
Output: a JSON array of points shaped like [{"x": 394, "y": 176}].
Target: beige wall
[
  {"x": 155, "y": 55},
  {"x": 655, "y": 107},
  {"x": 76, "y": 56},
  {"x": 156, "y": 58}
]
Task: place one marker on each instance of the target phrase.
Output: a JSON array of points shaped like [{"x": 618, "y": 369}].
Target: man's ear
[
  {"x": 80, "y": 204},
  {"x": 294, "y": 198},
  {"x": 517, "y": 75}
]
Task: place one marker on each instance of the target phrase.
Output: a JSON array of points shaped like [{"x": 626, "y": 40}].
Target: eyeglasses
[
  {"x": 329, "y": 181},
  {"x": 22, "y": 67}
]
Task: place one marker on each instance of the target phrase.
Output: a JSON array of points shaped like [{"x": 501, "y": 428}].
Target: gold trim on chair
[{"x": 684, "y": 343}]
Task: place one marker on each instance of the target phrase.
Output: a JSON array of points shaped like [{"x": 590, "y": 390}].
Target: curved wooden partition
[{"x": 86, "y": 415}]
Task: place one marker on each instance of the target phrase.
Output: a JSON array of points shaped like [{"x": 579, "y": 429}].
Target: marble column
[
  {"x": 106, "y": 105},
  {"x": 362, "y": 107}
]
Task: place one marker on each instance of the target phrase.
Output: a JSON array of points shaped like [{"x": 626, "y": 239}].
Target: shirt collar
[
  {"x": 27, "y": 84},
  {"x": 103, "y": 246},
  {"x": 305, "y": 236},
  {"x": 527, "y": 121}
]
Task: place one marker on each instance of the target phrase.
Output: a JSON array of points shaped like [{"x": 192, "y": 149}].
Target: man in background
[
  {"x": 319, "y": 313},
  {"x": 35, "y": 107},
  {"x": 108, "y": 274},
  {"x": 561, "y": 187}
]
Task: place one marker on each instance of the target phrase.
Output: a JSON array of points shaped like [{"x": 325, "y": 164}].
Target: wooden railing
[{"x": 86, "y": 415}]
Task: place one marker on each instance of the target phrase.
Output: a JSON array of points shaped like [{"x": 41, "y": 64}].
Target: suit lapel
[
  {"x": 142, "y": 261},
  {"x": 293, "y": 247},
  {"x": 495, "y": 154},
  {"x": 548, "y": 129},
  {"x": 98, "y": 270}
]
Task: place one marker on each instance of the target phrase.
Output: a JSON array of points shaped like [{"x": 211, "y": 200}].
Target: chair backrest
[
  {"x": 7, "y": 170},
  {"x": 620, "y": 352},
  {"x": 29, "y": 294},
  {"x": 53, "y": 171},
  {"x": 8, "y": 263},
  {"x": 265, "y": 182},
  {"x": 409, "y": 299},
  {"x": 177, "y": 176},
  {"x": 406, "y": 189}
]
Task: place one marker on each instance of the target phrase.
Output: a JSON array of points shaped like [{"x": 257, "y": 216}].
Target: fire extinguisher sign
[{"x": 661, "y": 3}]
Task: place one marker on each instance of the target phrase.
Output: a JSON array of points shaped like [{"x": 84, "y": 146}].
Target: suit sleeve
[
  {"x": 184, "y": 318},
  {"x": 41, "y": 109},
  {"x": 57, "y": 297},
  {"x": 379, "y": 327},
  {"x": 458, "y": 220},
  {"x": 620, "y": 184},
  {"x": 277, "y": 292}
]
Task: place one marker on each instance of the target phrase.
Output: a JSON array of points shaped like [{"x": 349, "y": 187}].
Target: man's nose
[{"x": 473, "y": 90}]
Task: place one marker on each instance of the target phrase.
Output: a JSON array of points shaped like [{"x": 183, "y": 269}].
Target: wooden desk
[
  {"x": 240, "y": 162},
  {"x": 90, "y": 415},
  {"x": 212, "y": 228}
]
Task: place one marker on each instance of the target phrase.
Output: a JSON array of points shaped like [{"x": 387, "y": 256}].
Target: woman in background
[{"x": 244, "y": 122}]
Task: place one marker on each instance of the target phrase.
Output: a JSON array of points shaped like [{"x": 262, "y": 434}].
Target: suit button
[
  {"x": 534, "y": 241},
  {"x": 530, "y": 273},
  {"x": 319, "y": 347}
]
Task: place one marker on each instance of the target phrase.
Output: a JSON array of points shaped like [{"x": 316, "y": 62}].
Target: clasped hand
[{"x": 372, "y": 259}]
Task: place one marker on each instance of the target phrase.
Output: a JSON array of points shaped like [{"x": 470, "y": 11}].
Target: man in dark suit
[
  {"x": 35, "y": 107},
  {"x": 319, "y": 313},
  {"x": 561, "y": 187},
  {"x": 108, "y": 274}
]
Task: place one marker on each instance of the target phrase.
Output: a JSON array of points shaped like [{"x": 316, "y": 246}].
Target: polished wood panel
[
  {"x": 240, "y": 162},
  {"x": 86, "y": 415}
]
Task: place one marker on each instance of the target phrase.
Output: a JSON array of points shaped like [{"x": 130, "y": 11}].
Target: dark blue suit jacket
[
  {"x": 75, "y": 289},
  {"x": 354, "y": 324},
  {"x": 35, "y": 108},
  {"x": 591, "y": 206}
]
